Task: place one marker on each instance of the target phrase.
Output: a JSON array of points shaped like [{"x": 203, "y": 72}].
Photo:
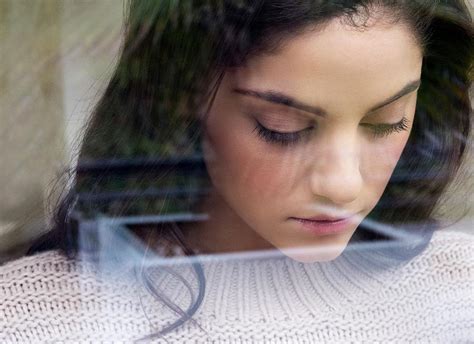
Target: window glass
[{"x": 236, "y": 171}]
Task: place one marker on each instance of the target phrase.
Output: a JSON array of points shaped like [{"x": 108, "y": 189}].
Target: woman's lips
[
  {"x": 325, "y": 218},
  {"x": 324, "y": 225}
]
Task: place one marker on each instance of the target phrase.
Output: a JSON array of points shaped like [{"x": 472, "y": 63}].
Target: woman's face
[{"x": 300, "y": 144}]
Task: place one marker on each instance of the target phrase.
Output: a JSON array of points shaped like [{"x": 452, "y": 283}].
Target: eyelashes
[
  {"x": 284, "y": 139},
  {"x": 381, "y": 130},
  {"x": 289, "y": 138}
]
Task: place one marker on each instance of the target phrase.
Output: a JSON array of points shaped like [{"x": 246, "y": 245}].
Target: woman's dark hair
[{"x": 174, "y": 56}]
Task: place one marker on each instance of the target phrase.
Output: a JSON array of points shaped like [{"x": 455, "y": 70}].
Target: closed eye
[
  {"x": 294, "y": 137},
  {"x": 281, "y": 138},
  {"x": 385, "y": 129}
]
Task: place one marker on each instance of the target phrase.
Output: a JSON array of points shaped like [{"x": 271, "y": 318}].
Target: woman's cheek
[
  {"x": 242, "y": 165},
  {"x": 382, "y": 154},
  {"x": 381, "y": 158}
]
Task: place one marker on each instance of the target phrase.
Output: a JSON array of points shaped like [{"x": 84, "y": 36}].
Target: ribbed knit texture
[{"x": 359, "y": 297}]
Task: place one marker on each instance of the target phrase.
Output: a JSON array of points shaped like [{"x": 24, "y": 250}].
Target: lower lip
[{"x": 324, "y": 227}]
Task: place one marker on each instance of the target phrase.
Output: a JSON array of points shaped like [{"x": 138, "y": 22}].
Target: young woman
[{"x": 324, "y": 126}]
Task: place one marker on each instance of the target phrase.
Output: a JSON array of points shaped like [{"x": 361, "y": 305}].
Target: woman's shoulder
[
  {"x": 446, "y": 262},
  {"x": 453, "y": 246},
  {"x": 448, "y": 258},
  {"x": 49, "y": 275},
  {"x": 452, "y": 235},
  {"x": 35, "y": 266},
  {"x": 47, "y": 265},
  {"x": 52, "y": 273},
  {"x": 70, "y": 298}
]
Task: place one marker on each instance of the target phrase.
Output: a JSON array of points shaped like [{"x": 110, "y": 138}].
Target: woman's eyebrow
[
  {"x": 280, "y": 98},
  {"x": 408, "y": 88},
  {"x": 283, "y": 99}
]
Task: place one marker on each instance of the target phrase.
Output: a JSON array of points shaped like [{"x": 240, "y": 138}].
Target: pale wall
[{"x": 55, "y": 58}]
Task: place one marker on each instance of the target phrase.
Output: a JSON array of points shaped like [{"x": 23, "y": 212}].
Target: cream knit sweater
[{"x": 359, "y": 297}]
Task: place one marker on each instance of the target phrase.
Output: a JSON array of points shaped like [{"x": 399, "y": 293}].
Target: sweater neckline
[
  {"x": 278, "y": 287},
  {"x": 243, "y": 282}
]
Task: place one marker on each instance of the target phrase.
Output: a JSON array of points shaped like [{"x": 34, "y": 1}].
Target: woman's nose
[{"x": 336, "y": 173}]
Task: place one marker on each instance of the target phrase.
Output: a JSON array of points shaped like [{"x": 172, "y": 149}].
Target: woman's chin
[{"x": 315, "y": 253}]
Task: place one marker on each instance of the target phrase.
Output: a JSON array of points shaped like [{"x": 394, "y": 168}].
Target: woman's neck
[{"x": 224, "y": 231}]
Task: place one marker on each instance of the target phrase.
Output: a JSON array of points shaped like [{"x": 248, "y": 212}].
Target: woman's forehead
[{"x": 337, "y": 67}]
